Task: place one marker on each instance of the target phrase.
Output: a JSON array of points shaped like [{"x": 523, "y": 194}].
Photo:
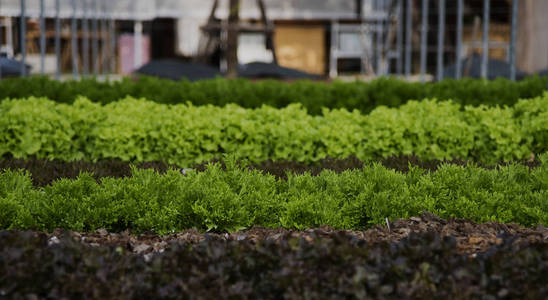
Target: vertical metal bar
[
  {"x": 223, "y": 64},
  {"x": 23, "y": 34},
  {"x": 9, "y": 36},
  {"x": 441, "y": 36},
  {"x": 333, "y": 52},
  {"x": 399, "y": 38},
  {"x": 101, "y": 36},
  {"x": 85, "y": 39},
  {"x": 231, "y": 52},
  {"x": 385, "y": 57},
  {"x": 57, "y": 40},
  {"x": 94, "y": 40},
  {"x": 104, "y": 37},
  {"x": 74, "y": 40},
  {"x": 379, "y": 31},
  {"x": 138, "y": 43},
  {"x": 268, "y": 33},
  {"x": 408, "y": 37},
  {"x": 42, "y": 39},
  {"x": 485, "y": 40},
  {"x": 363, "y": 55},
  {"x": 513, "y": 40},
  {"x": 424, "y": 37},
  {"x": 458, "y": 53},
  {"x": 112, "y": 45}
]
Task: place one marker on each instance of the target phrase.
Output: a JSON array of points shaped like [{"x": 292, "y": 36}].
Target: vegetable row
[
  {"x": 314, "y": 96},
  {"x": 44, "y": 172},
  {"x": 183, "y": 135},
  {"x": 236, "y": 198}
]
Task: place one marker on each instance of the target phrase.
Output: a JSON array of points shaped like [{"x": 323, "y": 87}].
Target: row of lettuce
[
  {"x": 139, "y": 130},
  {"x": 314, "y": 96},
  {"x": 238, "y": 198}
]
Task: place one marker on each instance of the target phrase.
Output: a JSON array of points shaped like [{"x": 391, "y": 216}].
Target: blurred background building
[{"x": 319, "y": 37}]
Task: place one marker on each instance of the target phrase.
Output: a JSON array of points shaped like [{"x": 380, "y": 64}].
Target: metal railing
[
  {"x": 83, "y": 13},
  {"x": 401, "y": 17},
  {"x": 378, "y": 50}
]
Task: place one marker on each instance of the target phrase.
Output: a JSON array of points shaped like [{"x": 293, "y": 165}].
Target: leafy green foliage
[
  {"x": 363, "y": 96},
  {"x": 183, "y": 135},
  {"x": 43, "y": 172},
  {"x": 237, "y": 198}
]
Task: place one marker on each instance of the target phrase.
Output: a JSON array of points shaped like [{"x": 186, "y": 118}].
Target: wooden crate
[{"x": 301, "y": 47}]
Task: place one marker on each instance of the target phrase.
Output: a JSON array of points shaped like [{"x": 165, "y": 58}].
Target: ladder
[{"x": 215, "y": 34}]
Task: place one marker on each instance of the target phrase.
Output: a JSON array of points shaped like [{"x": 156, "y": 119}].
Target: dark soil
[
  {"x": 471, "y": 238},
  {"x": 43, "y": 172}
]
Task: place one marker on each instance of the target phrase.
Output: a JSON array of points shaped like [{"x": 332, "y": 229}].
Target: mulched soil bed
[
  {"x": 471, "y": 238},
  {"x": 418, "y": 258},
  {"x": 44, "y": 171}
]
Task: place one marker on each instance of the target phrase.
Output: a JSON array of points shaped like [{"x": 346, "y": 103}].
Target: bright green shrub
[
  {"x": 140, "y": 130},
  {"x": 427, "y": 128},
  {"x": 9, "y": 209},
  {"x": 17, "y": 200},
  {"x": 493, "y": 136},
  {"x": 146, "y": 201},
  {"x": 531, "y": 118},
  {"x": 69, "y": 203}
]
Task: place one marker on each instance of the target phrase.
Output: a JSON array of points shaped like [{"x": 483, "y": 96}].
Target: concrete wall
[
  {"x": 532, "y": 42},
  {"x": 150, "y": 9}
]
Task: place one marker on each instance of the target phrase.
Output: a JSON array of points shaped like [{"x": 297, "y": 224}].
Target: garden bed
[
  {"x": 236, "y": 197},
  {"x": 417, "y": 259},
  {"x": 297, "y": 190},
  {"x": 44, "y": 172},
  {"x": 471, "y": 238}
]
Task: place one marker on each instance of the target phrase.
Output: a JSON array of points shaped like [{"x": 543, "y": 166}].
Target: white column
[{"x": 138, "y": 44}]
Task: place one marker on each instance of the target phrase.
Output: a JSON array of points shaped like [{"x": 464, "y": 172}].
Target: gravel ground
[{"x": 471, "y": 238}]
